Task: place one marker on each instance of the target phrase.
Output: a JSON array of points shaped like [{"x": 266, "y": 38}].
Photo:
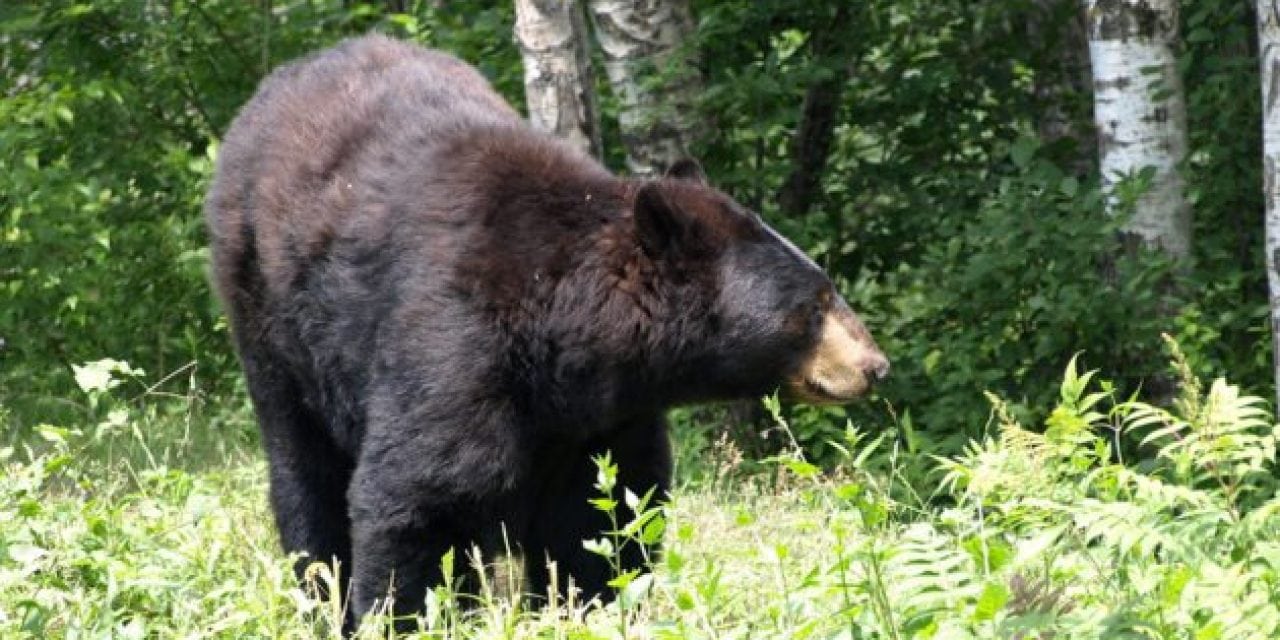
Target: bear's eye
[
  {"x": 817, "y": 312},
  {"x": 805, "y": 319}
]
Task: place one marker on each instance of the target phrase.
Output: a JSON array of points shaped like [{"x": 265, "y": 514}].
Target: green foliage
[
  {"x": 1224, "y": 327},
  {"x": 979, "y": 253},
  {"x": 1032, "y": 274},
  {"x": 1181, "y": 543},
  {"x": 1050, "y": 532},
  {"x": 93, "y": 559},
  {"x": 101, "y": 164},
  {"x": 645, "y": 527},
  {"x": 108, "y": 131}
]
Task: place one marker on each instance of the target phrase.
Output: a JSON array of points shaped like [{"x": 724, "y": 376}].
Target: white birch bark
[
  {"x": 641, "y": 40},
  {"x": 559, "y": 92},
  {"x": 1269, "y": 57},
  {"x": 1140, "y": 110}
]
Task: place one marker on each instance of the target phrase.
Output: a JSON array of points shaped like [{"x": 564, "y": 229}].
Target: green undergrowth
[{"x": 1113, "y": 519}]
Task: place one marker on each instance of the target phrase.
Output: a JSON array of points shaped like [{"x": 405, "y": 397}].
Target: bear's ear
[
  {"x": 661, "y": 227},
  {"x": 686, "y": 169}
]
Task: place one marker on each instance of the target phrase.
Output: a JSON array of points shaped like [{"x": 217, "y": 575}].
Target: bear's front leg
[
  {"x": 565, "y": 517},
  {"x": 393, "y": 562},
  {"x": 399, "y": 540},
  {"x": 418, "y": 492}
]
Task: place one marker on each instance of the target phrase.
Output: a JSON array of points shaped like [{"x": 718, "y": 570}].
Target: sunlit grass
[
  {"x": 170, "y": 553},
  {"x": 122, "y": 532}
]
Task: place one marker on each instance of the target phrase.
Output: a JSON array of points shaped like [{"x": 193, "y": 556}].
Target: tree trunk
[
  {"x": 1140, "y": 110},
  {"x": 1063, "y": 89},
  {"x": 654, "y": 84},
  {"x": 557, "y": 71},
  {"x": 812, "y": 142},
  {"x": 1269, "y": 56}
]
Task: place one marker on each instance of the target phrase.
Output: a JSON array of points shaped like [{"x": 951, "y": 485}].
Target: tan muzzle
[{"x": 844, "y": 363}]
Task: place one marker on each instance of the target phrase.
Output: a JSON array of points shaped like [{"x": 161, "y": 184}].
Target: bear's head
[{"x": 765, "y": 315}]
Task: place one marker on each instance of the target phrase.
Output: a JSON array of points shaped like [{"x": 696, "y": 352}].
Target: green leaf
[
  {"x": 26, "y": 555},
  {"x": 101, "y": 375},
  {"x": 606, "y": 505},
  {"x": 653, "y": 530},
  {"x": 1069, "y": 187},
  {"x": 635, "y": 591},
  {"x": 602, "y": 547},
  {"x": 803, "y": 469},
  {"x": 993, "y": 598},
  {"x": 1023, "y": 150}
]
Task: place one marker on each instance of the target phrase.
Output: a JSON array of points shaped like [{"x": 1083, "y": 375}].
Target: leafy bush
[
  {"x": 1225, "y": 326},
  {"x": 1182, "y": 543},
  {"x": 978, "y": 260},
  {"x": 1054, "y": 533},
  {"x": 1033, "y": 274},
  {"x": 108, "y": 132}
]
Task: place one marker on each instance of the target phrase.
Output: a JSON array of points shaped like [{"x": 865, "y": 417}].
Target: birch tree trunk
[
  {"x": 552, "y": 36},
  {"x": 1141, "y": 115},
  {"x": 1269, "y": 56},
  {"x": 641, "y": 40}
]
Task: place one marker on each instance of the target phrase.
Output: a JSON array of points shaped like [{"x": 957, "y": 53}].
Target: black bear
[{"x": 443, "y": 314}]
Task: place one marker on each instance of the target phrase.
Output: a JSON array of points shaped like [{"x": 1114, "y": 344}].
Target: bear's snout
[{"x": 844, "y": 363}]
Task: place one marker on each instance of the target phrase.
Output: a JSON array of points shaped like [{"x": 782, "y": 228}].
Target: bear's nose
[{"x": 877, "y": 369}]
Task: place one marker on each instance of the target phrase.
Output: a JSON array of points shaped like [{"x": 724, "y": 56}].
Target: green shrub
[
  {"x": 1033, "y": 274},
  {"x": 108, "y": 132}
]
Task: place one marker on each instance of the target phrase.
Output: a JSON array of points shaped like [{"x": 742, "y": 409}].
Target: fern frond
[
  {"x": 1125, "y": 527},
  {"x": 1235, "y": 598},
  {"x": 1261, "y": 523},
  {"x": 1161, "y": 495},
  {"x": 1228, "y": 436},
  {"x": 928, "y": 572}
]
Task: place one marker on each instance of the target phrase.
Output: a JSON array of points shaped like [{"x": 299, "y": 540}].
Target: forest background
[
  {"x": 957, "y": 203},
  {"x": 940, "y": 158}
]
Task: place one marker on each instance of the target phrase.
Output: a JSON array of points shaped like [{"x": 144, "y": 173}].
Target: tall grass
[{"x": 1113, "y": 519}]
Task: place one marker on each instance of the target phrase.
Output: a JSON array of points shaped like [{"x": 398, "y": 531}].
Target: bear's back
[{"x": 325, "y": 136}]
